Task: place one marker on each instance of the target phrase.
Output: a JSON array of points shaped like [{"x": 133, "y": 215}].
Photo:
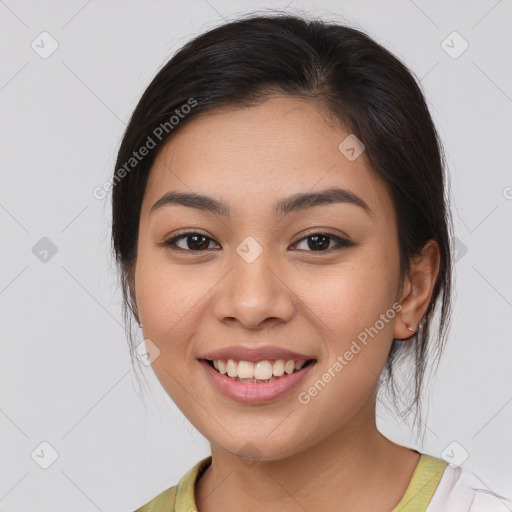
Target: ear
[{"x": 417, "y": 290}]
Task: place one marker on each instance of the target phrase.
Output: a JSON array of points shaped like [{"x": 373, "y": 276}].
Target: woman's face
[{"x": 253, "y": 279}]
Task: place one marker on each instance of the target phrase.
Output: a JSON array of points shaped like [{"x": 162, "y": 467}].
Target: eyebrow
[{"x": 294, "y": 203}]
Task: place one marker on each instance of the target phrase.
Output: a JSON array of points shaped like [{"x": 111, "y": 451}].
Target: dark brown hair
[{"x": 362, "y": 85}]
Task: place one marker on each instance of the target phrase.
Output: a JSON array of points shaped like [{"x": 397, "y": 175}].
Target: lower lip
[{"x": 253, "y": 392}]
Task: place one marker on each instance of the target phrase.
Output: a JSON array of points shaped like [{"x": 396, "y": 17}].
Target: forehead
[{"x": 253, "y": 156}]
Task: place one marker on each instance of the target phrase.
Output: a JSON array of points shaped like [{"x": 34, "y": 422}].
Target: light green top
[{"x": 424, "y": 481}]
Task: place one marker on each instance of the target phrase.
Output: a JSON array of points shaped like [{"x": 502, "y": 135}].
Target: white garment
[{"x": 460, "y": 490}]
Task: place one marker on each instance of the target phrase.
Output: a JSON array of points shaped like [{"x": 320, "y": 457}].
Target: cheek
[
  {"x": 171, "y": 306},
  {"x": 347, "y": 312},
  {"x": 352, "y": 297},
  {"x": 353, "y": 311},
  {"x": 171, "y": 301}
]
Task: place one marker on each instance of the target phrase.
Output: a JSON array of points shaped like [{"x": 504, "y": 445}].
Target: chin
[{"x": 260, "y": 450}]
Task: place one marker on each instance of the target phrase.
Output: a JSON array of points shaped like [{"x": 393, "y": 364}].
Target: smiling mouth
[{"x": 258, "y": 372}]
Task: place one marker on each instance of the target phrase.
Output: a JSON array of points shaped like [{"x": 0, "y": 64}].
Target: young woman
[{"x": 281, "y": 226}]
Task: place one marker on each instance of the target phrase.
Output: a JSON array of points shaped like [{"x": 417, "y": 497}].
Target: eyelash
[{"x": 342, "y": 242}]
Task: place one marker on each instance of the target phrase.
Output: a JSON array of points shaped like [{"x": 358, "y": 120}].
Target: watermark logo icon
[
  {"x": 147, "y": 352},
  {"x": 351, "y": 147},
  {"x": 455, "y": 454},
  {"x": 44, "y": 45},
  {"x": 44, "y": 250},
  {"x": 249, "y": 249},
  {"x": 44, "y": 455},
  {"x": 454, "y": 45},
  {"x": 459, "y": 249},
  {"x": 250, "y": 454}
]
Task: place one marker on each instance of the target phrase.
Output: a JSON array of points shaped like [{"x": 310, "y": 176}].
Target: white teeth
[
  {"x": 246, "y": 369},
  {"x": 289, "y": 366},
  {"x": 232, "y": 368},
  {"x": 261, "y": 370},
  {"x": 278, "y": 368}
]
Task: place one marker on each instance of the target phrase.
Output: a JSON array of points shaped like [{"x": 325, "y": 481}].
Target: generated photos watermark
[
  {"x": 159, "y": 133},
  {"x": 304, "y": 397}
]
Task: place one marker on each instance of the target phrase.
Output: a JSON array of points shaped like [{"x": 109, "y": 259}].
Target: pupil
[
  {"x": 315, "y": 238},
  {"x": 197, "y": 246}
]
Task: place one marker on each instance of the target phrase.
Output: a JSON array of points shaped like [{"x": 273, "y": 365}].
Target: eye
[
  {"x": 321, "y": 242},
  {"x": 193, "y": 242}
]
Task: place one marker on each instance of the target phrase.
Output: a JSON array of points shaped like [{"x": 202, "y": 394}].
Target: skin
[{"x": 312, "y": 302}]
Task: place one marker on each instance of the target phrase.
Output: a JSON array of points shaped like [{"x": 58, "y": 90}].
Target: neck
[{"x": 356, "y": 467}]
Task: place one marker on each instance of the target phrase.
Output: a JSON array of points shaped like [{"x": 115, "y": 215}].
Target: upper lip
[{"x": 244, "y": 353}]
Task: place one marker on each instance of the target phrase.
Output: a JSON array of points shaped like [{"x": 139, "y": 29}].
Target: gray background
[{"x": 65, "y": 372}]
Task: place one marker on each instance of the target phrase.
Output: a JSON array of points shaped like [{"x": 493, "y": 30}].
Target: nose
[{"x": 254, "y": 295}]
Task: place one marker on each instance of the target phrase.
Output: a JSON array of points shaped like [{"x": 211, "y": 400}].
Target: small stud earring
[{"x": 410, "y": 329}]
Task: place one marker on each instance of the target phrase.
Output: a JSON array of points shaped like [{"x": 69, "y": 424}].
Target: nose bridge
[
  {"x": 253, "y": 280},
  {"x": 254, "y": 290}
]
